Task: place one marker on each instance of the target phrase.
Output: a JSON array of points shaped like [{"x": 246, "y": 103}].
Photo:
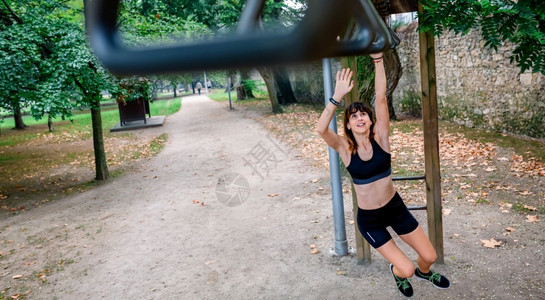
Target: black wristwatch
[{"x": 334, "y": 102}]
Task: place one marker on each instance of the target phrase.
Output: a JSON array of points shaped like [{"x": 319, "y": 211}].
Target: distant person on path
[
  {"x": 209, "y": 84},
  {"x": 365, "y": 150},
  {"x": 199, "y": 87}
]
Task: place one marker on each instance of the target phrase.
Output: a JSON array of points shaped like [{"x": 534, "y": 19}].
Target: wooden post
[
  {"x": 363, "y": 249},
  {"x": 431, "y": 141}
]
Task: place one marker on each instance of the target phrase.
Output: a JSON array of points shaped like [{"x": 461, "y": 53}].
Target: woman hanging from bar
[{"x": 365, "y": 150}]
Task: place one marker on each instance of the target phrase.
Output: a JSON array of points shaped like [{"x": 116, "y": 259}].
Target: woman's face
[{"x": 359, "y": 122}]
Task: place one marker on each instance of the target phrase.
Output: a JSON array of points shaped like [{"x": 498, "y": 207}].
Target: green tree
[
  {"x": 150, "y": 22},
  {"x": 20, "y": 57},
  {"x": 221, "y": 16},
  {"x": 58, "y": 65},
  {"x": 520, "y": 22}
]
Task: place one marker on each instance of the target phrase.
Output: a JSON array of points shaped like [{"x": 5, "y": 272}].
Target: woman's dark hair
[{"x": 352, "y": 109}]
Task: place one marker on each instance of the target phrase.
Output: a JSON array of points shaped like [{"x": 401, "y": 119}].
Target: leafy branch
[{"x": 519, "y": 22}]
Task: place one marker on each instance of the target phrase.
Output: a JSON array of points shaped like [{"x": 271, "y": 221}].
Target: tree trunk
[
  {"x": 241, "y": 93},
  {"x": 18, "y": 117},
  {"x": 237, "y": 81},
  {"x": 283, "y": 85},
  {"x": 268, "y": 76},
  {"x": 98, "y": 141},
  {"x": 50, "y": 123},
  {"x": 175, "y": 88},
  {"x": 245, "y": 86},
  {"x": 394, "y": 71}
]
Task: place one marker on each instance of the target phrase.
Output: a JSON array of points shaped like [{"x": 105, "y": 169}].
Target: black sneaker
[
  {"x": 439, "y": 281},
  {"x": 403, "y": 284}
]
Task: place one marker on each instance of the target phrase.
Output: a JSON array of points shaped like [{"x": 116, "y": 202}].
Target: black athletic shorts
[{"x": 373, "y": 222}]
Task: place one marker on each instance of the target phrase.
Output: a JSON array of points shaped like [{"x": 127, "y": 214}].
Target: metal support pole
[
  {"x": 229, "y": 91},
  {"x": 341, "y": 244}
]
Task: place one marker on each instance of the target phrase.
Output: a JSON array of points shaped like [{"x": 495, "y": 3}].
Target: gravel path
[{"x": 169, "y": 231}]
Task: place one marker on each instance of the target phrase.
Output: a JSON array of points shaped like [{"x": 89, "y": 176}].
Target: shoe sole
[{"x": 437, "y": 287}]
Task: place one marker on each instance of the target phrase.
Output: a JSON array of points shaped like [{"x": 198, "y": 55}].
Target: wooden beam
[
  {"x": 431, "y": 141},
  {"x": 363, "y": 249}
]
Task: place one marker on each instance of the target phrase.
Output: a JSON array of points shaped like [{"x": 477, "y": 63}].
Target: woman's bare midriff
[{"x": 375, "y": 194}]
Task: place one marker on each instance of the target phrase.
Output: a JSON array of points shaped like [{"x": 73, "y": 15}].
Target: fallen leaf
[
  {"x": 456, "y": 234},
  {"x": 490, "y": 243},
  {"x": 17, "y": 276},
  {"x": 16, "y": 296},
  {"x": 314, "y": 251},
  {"x": 312, "y": 245},
  {"x": 525, "y": 193},
  {"x": 528, "y": 207},
  {"x": 446, "y": 211},
  {"x": 532, "y": 219},
  {"x": 272, "y": 195},
  {"x": 341, "y": 272},
  {"x": 490, "y": 169},
  {"x": 314, "y": 180},
  {"x": 196, "y": 201},
  {"x": 202, "y": 203},
  {"x": 351, "y": 222},
  {"x": 510, "y": 229}
]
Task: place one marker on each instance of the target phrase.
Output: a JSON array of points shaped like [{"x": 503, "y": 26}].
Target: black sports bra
[{"x": 367, "y": 171}]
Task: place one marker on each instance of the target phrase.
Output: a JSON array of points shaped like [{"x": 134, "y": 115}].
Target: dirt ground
[{"x": 228, "y": 210}]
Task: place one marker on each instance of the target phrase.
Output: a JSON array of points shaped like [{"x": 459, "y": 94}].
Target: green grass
[
  {"x": 167, "y": 95},
  {"x": 521, "y": 208},
  {"x": 158, "y": 143},
  {"x": 482, "y": 201},
  {"x": 406, "y": 127},
  {"x": 165, "y": 107},
  {"x": 79, "y": 122},
  {"x": 403, "y": 172},
  {"x": 110, "y": 115},
  {"x": 224, "y": 96}
]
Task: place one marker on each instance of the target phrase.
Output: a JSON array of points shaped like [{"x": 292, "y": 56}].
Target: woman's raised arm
[
  {"x": 382, "y": 126},
  {"x": 343, "y": 86}
]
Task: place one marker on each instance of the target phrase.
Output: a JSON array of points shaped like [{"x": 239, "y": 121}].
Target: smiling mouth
[{"x": 360, "y": 125}]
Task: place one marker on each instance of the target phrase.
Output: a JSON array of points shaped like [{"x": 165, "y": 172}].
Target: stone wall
[{"x": 476, "y": 86}]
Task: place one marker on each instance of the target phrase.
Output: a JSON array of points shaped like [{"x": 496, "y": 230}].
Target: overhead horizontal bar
[{"x": 316, "y": 36}]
